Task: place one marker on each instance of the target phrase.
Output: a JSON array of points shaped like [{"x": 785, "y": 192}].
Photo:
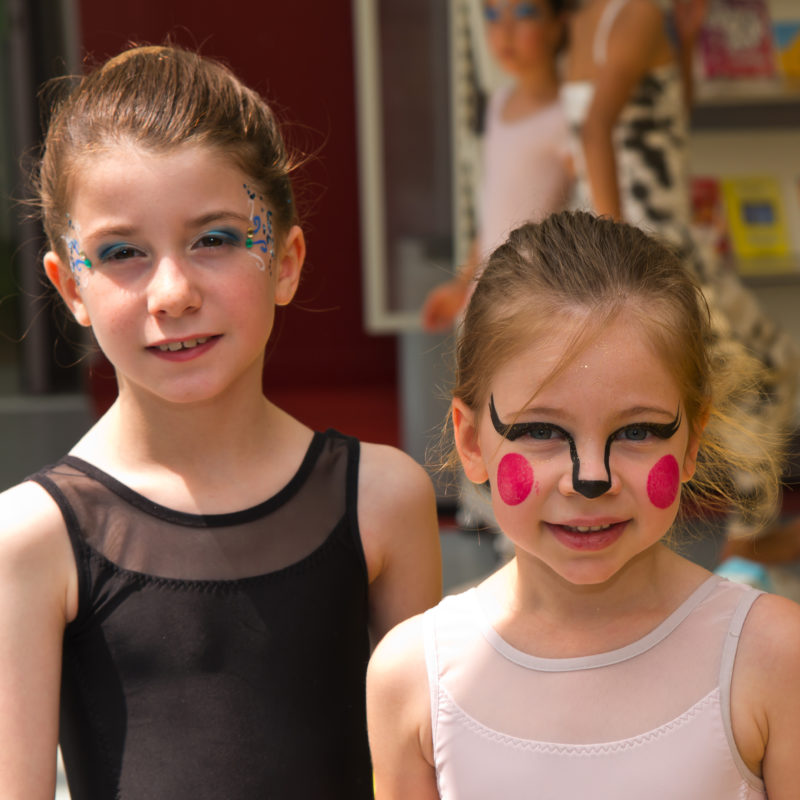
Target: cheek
[
  {"x": 514, "y": 478},
  {"x": 663, "y": 482}
]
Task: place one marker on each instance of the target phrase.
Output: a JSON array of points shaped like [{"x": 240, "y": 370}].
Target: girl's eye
[
  {"x": 491, "y": 13},
  {"x": 527, "y": 11},
  {"x": 634, "y": 433},
  {"x": 120, "y": 252},
  {"x": 543, "y": 431},
  {"x": 218, "y": 239}
]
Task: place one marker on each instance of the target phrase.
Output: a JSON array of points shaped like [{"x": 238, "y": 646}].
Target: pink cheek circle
[
  {"x": 514, "y": 478},
  {"x": 663, "y": 482}
]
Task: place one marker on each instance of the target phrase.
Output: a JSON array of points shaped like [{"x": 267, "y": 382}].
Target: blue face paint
[
  {"x": 491, "y": 13},
  {"x": 260, "y": 235},
  {"x": 545, "y": 430},
  {"x": 526, "y": 11},
  {"x": 78, "y": 261},
  {"x": 219, "y": 237},
  {"x": 522, "y": 11}
]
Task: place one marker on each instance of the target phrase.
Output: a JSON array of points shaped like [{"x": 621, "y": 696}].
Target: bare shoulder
[
  {"x": 643, "y": 19},
  {"x": 399, "y": 715},
  {"x": 641, "y": 12},
  {"x": 399, "y": 528},
  {"x": 765, "y": 694},
  {"x": 34, "y": 547},
  {"x": 770, "y": 640},
  {"x": 399, "y": 657},
  {"x": 30, "y": 518},
  {"x": 394, "y": 493},
  {"x": 390, "y": 474},
  {"x": 397, "y": 682},
  {"x": 771, "y": 634}
]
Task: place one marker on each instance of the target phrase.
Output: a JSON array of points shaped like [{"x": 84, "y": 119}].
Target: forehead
[
  {"x": 123, "y": 173},
  {"x": 589, "y": 368}
]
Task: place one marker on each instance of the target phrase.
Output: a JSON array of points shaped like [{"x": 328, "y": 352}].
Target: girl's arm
[
  {"x": 445, "y": 301},
  {"x": 399, "y": 716},
  {"x": 400, "y": 532},
  {"x": 689, "y": 16},
  {"x": 765, "y": 695},
  {"x": 38, "y": 594},
  {"x": 636, "y": 41}
]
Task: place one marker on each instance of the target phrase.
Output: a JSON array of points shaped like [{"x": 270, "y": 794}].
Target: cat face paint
[
  {"x": 664, "y": 481},
  {"x": 591, "y": 488},
  {"x": 260, "y": 237},
  {"x": 514, "y": 478}
]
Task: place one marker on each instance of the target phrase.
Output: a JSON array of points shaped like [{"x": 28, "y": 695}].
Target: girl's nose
[
  {"x": 590, "y": 471},
  {"x": 172, "y": 291}
]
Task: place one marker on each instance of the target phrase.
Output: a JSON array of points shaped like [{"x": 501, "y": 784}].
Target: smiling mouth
[
  {"x": 188, "y": 344},
  {"x": 587, "y": 528}
]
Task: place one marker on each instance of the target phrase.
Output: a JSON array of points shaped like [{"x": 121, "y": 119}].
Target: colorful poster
[
  {"x": 757, "y": 223},
  {"x": 786, "y": 38},
  {"x": 736, "y": 40}
]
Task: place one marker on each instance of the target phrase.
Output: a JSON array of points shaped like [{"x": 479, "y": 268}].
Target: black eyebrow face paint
[{"x": 590, "y": 489}]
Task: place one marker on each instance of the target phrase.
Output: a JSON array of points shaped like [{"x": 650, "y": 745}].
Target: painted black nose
[{"x": 591, "y": 489}]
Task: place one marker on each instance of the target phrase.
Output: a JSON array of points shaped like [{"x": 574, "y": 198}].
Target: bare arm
[
  {"x": 445, "y": 301},
  {"x": 689, "y": 17},
  {"x": 38, "y": 594},
  {"x": 765, "y": 695},
  {"x": 636, "y": 36},
  {"x": 400, "y": 531},
  {"x": 398, "y": 716}
]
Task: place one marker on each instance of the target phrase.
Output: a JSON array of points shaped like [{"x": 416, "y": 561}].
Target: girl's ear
[
  {"x": 692, "y": 448},
  {"x": 465, "y": 432},
  {"x": 290, "y": 265},
  {"x": 62, "y": 278}
]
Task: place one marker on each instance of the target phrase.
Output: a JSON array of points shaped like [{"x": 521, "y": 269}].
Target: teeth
[
  {"x": 588, "y": 528},
  {"x": 185, "y": 345}
]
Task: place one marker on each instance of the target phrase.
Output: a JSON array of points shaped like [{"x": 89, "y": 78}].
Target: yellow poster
[{"x": 757, "y": 223}]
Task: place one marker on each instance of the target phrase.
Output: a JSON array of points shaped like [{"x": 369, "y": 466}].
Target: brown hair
[
  {"x": 590, "y": 270},
  {"x": 160, "y": 97}
]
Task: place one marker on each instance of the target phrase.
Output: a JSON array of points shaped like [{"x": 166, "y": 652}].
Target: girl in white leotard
[{"x": 598, "y": 663}]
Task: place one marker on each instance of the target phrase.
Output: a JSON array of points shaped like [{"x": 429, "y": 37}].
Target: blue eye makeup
[
  {"x": 543, "y": 430},
  {"x": 219, "y": 238},
  {"x": 521, "y": 11},
  {"x": 119, "y": 251},
  {"x": 525, "y": 11}
]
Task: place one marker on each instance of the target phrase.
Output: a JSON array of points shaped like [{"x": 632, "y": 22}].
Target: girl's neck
[
  {"x": 539, "y": 612},
  {"x": 232, "y": 454},
  {"x": 533, "y": 91}
]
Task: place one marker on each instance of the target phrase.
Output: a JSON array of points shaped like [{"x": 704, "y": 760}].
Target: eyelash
[
  {"x": 124, "y": 251},
  {"x": 225, "y": 237},
  {"x": 528, "y": 429},
  {"x": 116, "y": 252}
]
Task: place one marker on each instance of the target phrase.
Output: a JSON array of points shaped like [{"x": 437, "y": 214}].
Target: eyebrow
[
  {"x": 195, "y": 222},
  {"x": 215, "y": 216}
]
